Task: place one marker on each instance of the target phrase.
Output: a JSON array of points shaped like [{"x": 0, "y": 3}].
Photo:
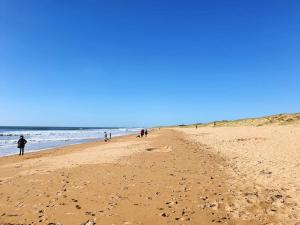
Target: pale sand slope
[
  {"x": 263, "y": 164},
  {"x": 167, "y": 178}
]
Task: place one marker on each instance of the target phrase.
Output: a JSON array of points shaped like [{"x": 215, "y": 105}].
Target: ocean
[{"x": 40, "y": 138}]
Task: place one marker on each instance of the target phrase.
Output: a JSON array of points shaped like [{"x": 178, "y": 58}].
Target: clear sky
[{"x": 146, "y": 63}]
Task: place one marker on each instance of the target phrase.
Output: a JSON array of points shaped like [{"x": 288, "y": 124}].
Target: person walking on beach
[
  {"x": 146, "y": 133},
  {"x": 21, "y": 144},
  {"x": 109, "y": 135},
  {"x": 105, "y": 137},
  {"x": 142, "y": 133}
]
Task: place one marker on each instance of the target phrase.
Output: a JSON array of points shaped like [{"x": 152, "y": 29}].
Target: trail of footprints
[{"x": 175, "y": 209}]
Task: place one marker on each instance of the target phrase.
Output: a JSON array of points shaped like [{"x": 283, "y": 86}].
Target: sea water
[{"x": 39, "y": 138}]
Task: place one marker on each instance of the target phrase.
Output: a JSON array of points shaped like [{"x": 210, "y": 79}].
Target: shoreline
[{"x": 63, "y": 146}]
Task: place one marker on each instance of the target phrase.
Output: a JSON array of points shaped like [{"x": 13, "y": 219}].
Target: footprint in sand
[
  {"x": 151, "y": 149},
  {"x": 89, "y": 222},
  {"x": 164, "y": 214},
  {"x": 90, "y": 213}
]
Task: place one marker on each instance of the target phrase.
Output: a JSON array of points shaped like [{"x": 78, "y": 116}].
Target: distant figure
[
  {"x": 196, "y": 126},
  {"x": 142, "y": 132},
  {"x": 146, "y": 133},
  {"x": 21, "y": 144},
  {"x": 214, "y": 123},
  {"x": 105, "y": 137},
  {"x": 109, "y": 135}
]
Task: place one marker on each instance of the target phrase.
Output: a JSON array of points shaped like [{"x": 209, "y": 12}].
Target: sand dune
[{"x": 280, "y": 119}]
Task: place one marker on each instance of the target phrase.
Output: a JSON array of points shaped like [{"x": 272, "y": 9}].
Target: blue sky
[{"x": 146, "y": 63}]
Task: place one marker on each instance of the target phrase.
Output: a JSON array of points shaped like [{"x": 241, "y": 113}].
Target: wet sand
[{"x": 170, "y": 177}]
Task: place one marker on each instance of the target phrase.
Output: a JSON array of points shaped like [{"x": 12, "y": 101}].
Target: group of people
[
  {"x": 106, "y": 136},
  {"x": 144, "y": 133},
  {"x": 22, "y": 141}
]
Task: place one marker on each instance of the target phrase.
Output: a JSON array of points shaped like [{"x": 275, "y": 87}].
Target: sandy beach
[
  {"x": 227, "y": 175},
  {"x": 215, "y": 83}
]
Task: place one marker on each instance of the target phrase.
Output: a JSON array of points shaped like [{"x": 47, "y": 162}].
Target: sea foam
[{"x": 42, "y": 137}]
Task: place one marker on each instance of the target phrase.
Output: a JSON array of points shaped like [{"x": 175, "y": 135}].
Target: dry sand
[
  {"x": 174, "y": 176},
  {"x": 263, "y": 168}
]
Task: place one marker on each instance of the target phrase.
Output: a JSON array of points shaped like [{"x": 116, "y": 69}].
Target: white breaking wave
[{"x": 41, "y": 139}]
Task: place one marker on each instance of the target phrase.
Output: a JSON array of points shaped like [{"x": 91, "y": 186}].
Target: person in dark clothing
[
  {"x": 142, "y": 132},
  {"x": 146, "y": 133},
  {"x": 105, "y": 137},
  {"x": 21, "y": 145}
]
